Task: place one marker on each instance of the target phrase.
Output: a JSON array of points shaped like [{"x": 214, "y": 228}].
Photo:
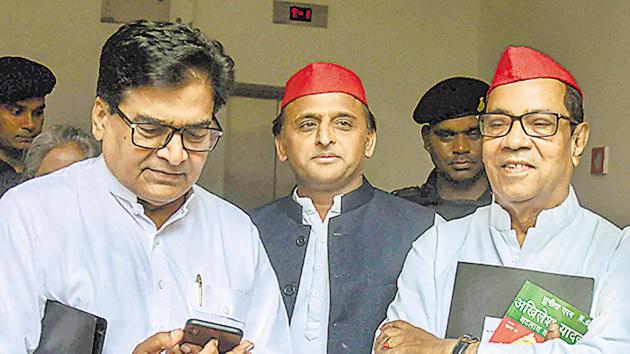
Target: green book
[{"x": 535, "y": 309}]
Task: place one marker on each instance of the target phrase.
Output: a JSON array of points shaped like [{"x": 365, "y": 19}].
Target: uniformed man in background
[
  {"x": 458, "y": 184},
  {"x": 23, "y": 87}
]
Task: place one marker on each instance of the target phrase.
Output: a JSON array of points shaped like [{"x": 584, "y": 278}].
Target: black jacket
[
  {"x": 428, "y": 196},
  {"x": 367, "y": 245}
]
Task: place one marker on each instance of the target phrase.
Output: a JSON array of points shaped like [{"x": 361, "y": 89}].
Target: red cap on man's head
[
  {"x": 524, "y": 63},
  {"x": 318, "y": 78}
]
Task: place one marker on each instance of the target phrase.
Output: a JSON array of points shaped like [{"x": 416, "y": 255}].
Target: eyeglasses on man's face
[
  {"x": 535, "y": 124},
  {"x": 157, "y": 136}
]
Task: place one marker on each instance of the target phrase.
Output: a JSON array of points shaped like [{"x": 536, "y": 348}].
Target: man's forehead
[
  {"x": 184, "y": 105},
  {"x": 528, "y": 96},
  {"x": 34, "y": 102},
  {"x": 324, "y": 103},
  {"x": 175, "y": 122},
  {"x": 457, "y": 124}
]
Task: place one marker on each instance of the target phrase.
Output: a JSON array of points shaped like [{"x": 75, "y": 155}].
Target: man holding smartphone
[
  {"x": 336, "y": 242},
  {"x": 128, "y": 236}
]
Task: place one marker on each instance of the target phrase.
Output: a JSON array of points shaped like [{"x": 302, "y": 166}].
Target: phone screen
[{"x": 199, "y": 332}]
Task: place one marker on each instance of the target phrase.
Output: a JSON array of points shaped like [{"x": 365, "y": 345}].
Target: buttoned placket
[
  {"x": 320, "y": 274},
  {"x": 548, "y": 224},
  {"x": 163, "y": 284},
  {"x": 314, "y": 294}
]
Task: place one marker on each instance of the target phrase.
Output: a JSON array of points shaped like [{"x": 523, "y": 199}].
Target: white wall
[
  {"x": 589, "y": 39},
  {"x": 65, "y": 36},
  {"x": 399, "y": 49}
]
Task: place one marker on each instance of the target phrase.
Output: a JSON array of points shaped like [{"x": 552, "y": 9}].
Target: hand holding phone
[{"x": 199, "y": 332}]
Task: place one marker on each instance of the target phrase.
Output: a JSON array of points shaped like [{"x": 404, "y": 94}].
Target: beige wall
[
  {"x": 67, "y": 37},
  {"x": 588, "y": 38},
  {"x": 398, "y": 49}
]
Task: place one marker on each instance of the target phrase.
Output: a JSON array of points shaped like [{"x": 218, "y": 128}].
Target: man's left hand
[
  {"x": 400, "y": 337},
  {"x": 169, "y": 342}
]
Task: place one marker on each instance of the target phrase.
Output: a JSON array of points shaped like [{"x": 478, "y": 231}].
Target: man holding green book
[{"x": 534, "y": 136}]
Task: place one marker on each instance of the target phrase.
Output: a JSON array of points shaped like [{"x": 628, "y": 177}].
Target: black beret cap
[
  {"x": 452, "y": 98},
  {"x": 21, "y": 79}
]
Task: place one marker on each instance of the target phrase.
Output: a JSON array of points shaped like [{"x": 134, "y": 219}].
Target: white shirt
[
  {"x": 80, "y": 237},
  {"x": 567, "y": 239},
  {"x": 309, "y": 321}
]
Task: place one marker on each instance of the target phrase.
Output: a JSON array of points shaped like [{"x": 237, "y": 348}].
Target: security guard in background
[
  {"x": 24, "y": 85},
  {"x": 458, "y": 184}
]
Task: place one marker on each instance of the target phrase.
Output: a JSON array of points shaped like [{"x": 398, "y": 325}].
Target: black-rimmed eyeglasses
[
  {"x": 535, "y": 124},
  {"x": 157, "y": 136}
]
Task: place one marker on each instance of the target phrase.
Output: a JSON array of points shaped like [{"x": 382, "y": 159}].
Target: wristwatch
[{"x": 463, "y": 342}]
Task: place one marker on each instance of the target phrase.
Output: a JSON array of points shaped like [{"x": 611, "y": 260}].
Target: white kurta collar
[
  {"x": 127, "y": 198},
  {"x": 110, "y": 182},
  {"x": 550, "y": 219},
  {"x": 309, "y": 210}
]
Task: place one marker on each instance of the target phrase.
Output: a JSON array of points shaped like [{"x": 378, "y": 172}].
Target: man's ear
[
  {"x": 100, "y": 112},
  {"x": 370, "y": 143},
  {"x": 281, "y": 149},
  {"x": 579, "y": 140},
  {"x": 426, "y": 131}
]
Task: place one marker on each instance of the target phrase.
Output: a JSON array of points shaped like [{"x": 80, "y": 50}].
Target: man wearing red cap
[
  {"x": 533, "y": 138},
  {"x": 336, "y": 243}
]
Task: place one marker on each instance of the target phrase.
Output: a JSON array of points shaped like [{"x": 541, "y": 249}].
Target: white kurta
[
  {"x": 78, "y": 236},
  {"x": 309, "y": 322},
  {"x": 567, "y": 239}
]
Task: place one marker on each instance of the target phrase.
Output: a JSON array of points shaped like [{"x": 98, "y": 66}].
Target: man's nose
[
  {"x": 325, "y": 135},
  {"x": 516, "y": 137},
  {"x": 28, "y": 121},
  {"x": 461, "y": 145},
  {"x": 174, "y": 151}
]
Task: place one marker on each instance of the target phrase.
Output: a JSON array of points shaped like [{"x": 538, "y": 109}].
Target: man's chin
[
  {"x": 157, "y": 200},
  {"x": 464, "y": 176},
  {"x": 331, "y": 183},
  {"x": 15, "y": 150}
]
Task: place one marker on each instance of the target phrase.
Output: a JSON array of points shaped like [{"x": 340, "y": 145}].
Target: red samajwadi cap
[
  {"x": 321, "y": 77},
  {"x": 524, "y": 63}
]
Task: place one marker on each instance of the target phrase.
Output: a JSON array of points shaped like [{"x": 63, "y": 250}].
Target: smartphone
[{"x": 199, "y": 332}]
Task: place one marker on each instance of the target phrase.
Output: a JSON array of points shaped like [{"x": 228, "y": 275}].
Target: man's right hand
[
  {"x": 169, "y": 342},
  {"x": 213, "y": 348},
  {"x": 161, "y": 341},
  {"x": 553, "y": 332}
]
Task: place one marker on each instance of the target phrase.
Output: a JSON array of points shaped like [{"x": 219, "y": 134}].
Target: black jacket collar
[{"x": 349, "y": 201}]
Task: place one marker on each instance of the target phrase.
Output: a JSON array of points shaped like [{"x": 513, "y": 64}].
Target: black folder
[
  {"x": 66, "y": 329},
  {"x": 483, "y": 290}
]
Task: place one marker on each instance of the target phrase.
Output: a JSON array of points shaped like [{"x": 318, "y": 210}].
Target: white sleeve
[
  {"x": 609, "y": 332},
  {"x": 415, "y": 300},
  {"x": 21, "y": 279},
  {"x": 266, "y": 324}
]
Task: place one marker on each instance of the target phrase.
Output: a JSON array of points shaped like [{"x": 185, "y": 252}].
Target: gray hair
[{"x": 56, "y": 136}]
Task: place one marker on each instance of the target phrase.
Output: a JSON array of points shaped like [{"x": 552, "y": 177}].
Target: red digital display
[{"x": 303, "y": 14}]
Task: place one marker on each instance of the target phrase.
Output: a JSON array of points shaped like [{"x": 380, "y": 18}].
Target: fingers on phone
[
  {"x": 159, "y": 342},
  {"x": 190, "y": 348},
  {"x": 212, "y": 347},
  {"x": 245, "y": 347}
]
